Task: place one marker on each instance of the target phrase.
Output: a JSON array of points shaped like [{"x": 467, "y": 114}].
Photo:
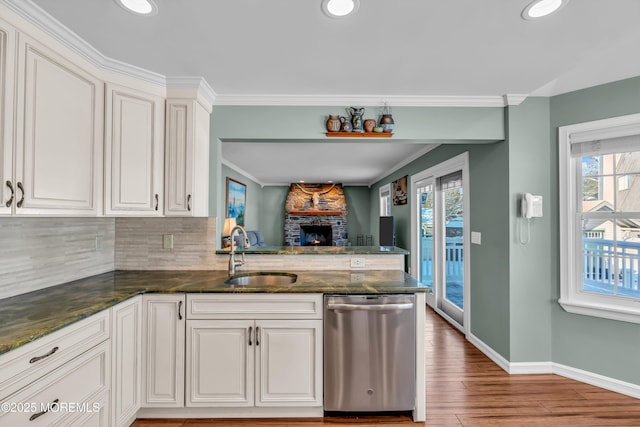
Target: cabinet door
[
  {"x": 220, "y": 362},
  {"x": 187, "y": 159},
  {"x": 163, "y": 350},
  {"x": 7, "y": 85},
  {"x": 59, "y": 134},
  {"x": 134, "y": 152},
  {"x": 289, "y": 363},
  {"x": 126, "y": 346}
]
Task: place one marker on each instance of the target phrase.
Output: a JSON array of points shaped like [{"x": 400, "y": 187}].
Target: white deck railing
[{"x": 609, "y": 263}]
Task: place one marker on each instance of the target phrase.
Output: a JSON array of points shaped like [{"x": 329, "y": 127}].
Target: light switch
[
  {"x": 357, "y": 262},
  {"x": 167, "y": 241},
  {"x": 476, "y": 237},
  {"x": 99, "y": 242}
]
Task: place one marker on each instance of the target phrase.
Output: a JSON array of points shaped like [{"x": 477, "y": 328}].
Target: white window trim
[
  {"x": 572, "y": 298},
  {"x": 384, "y": 191}
]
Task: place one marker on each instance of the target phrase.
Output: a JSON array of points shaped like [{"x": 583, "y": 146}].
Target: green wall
[
  {"x": 607, "y": 347},
  {"x": 488, "y": 185}
]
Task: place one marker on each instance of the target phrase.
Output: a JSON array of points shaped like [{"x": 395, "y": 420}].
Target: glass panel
[
  {"x": 426, "y": 237},
  {"x": 454, "y": 232},
  {"x": 628, "y": 193},
  {"x": 598, "y": 194},
  {"x": 610, "y": 256}
]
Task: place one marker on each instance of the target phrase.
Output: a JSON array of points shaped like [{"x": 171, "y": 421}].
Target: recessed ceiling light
[
  {"x": 139, "y": 7},
  {"x": 541, "y": 8},
  {"x": 339, "y": 8}
]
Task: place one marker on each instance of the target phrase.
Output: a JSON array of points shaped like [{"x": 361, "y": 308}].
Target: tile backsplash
[
  {"x": 139, "y": 244},
  {"x": 36, "y": 253}
]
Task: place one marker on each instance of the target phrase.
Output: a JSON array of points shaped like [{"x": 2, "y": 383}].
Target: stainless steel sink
[{"x": 262, "y": 278}]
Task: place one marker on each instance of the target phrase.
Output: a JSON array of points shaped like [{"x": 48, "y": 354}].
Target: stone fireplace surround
[{"x": 315, "y": 204}]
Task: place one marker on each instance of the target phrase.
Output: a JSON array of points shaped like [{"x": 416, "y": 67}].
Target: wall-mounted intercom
[{"x": 531, "y": 206}]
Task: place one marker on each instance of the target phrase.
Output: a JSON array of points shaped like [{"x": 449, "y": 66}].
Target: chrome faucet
[{"x": 233, "y": 264}]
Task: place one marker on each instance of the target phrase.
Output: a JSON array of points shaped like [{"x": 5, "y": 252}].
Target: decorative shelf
[
  {"x": 359, "y": 134},
  {"x": 315, "y": 213}
]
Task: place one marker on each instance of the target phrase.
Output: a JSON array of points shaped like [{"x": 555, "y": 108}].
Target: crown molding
[
  {"x": 191, "y": 87},
  {"x": 514, "y": 99},
  {"x": 242, "y": 172},
  {"x": 404, "y": 162},
  {"x": 364, "y": 100}
]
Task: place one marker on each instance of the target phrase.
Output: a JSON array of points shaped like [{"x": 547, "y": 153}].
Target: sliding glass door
[{"x": 439, "y": 230}]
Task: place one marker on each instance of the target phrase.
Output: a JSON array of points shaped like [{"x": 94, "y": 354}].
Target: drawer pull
[
  {"x": 53, "y": 405},
  {"x": 157, "y": 202},
  {"x": 10, "y": 201},
  {"x": 250, "y": 330},
  {"x": 179, "y": 310},
  {"x": 189, "y": 202},
  {"x": 257, "y": 335},
  {"x": 44, "y": 356}
]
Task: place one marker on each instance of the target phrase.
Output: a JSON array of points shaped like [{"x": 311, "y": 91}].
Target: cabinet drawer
[
  {"x": 70, "y": 385},
  {"x": 254, "y": 306},
  {"x": 31, "y": 361}
]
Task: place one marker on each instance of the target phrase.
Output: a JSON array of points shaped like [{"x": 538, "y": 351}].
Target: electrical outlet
[
  {"x": 99, "y": 242},
  {"x": 357, "y": 262},
  {"x": 167, "y": 241},
  {"x": 357, "y": 277}
]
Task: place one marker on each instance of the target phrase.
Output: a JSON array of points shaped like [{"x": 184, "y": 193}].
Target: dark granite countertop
[
  {"x": 26, "y": 317},
  {"x": 321, "y": 250}
]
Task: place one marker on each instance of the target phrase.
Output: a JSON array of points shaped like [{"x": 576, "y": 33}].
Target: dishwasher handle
[{"x": 370, "y": 307}]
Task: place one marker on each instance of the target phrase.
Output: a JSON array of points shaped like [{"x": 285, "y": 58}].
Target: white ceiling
[{"x": 265, "y": 51}]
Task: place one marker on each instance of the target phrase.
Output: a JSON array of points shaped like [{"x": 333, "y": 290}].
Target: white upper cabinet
[
  {"x": 7, "y": 84},
  {"x": 187, "y": 158},
  {"x": 59, "y": 133},
  {"x": 134, "y": 152}
]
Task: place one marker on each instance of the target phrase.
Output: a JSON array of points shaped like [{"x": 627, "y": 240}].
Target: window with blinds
[{"x": 600, "y": 218}]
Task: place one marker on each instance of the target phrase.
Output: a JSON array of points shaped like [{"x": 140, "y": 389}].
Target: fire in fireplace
[{"x": 315, "y": 235}]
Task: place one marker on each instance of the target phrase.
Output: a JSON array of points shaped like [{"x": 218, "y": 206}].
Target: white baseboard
[{"x": 519, "y": 368}]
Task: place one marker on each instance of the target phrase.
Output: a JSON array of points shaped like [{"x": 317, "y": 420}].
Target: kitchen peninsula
[{"x": 177, "y": 318}]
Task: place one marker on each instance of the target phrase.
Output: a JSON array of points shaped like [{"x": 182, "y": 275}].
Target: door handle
[
  {"x": 371, "y": 307},
  {"x": 189, "y": 203},
  {"x": 250, "y": 331},
  {"x": 257, "y": 335},
  {"x": 179, "y": 310},
  {"x": 156, "y": 197}
]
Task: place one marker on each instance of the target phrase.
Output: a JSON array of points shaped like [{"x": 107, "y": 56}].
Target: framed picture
[
  {"x": 400, "y": 191},
  {"x": 236, "y": 200}
]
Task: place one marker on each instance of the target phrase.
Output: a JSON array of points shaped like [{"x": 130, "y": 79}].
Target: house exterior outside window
[
  {"x": 600, "y": 218},
  {"x": 385, "y": 200}
]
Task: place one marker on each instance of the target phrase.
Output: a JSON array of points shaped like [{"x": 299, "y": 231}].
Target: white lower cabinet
[
  {"x": 254, "y": 362},
  {"x": 126, "y": 346},
  {"x": 163, "y": 332},
  {"x": 68, "y": 392}
]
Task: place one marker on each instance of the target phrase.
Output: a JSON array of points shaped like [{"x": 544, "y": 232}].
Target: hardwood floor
[{"x": 465, "y": 388}]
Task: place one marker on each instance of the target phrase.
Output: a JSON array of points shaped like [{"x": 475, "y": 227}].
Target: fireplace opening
[{"x": 315, "y": 235}]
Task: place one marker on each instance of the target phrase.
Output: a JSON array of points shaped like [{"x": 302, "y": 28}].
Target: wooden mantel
[{"x": 316, "y": 212}]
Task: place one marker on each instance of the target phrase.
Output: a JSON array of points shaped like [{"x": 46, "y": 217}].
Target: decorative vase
[
  {"x": 346, "y": 124},
  {"x": 333, "y": 124},
  {"x": 386, "y": 122},
  {"x": 369, "y": 124},
  {"x": 356, "y": 118}
]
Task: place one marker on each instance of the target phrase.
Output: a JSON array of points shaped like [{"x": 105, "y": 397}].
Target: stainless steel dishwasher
[{"x": 369, "y": 353}]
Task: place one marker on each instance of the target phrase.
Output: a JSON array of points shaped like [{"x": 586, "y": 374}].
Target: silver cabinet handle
[
  {"x": 179, "y": 310},
  {"x": 157, "y": 201},
  {"x": 44, "y": 356},
  {"x": 10, "y": 201},
  {"x": 189, "y": 202},
  {"x": 41, "y": 413},
  {"x": 257, "y": 335},
  {"x": 371, "y": 307},
  {"x": 250, "y": 330},
  {"x": 21, "y": 201}
]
